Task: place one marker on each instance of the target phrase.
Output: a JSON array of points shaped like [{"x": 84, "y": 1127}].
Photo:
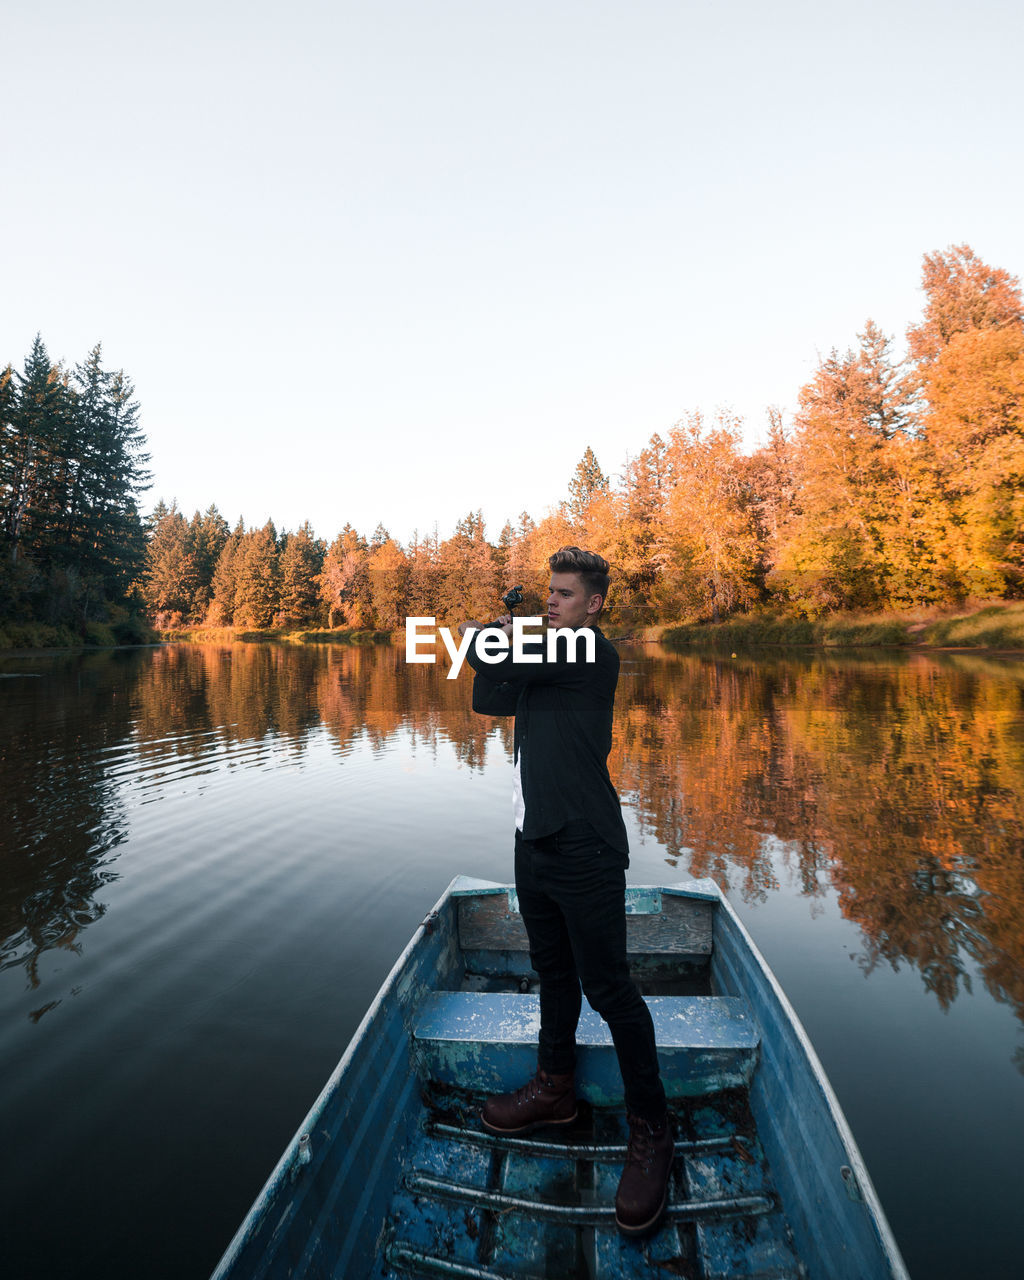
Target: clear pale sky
[{"x": 393, "y": 261}]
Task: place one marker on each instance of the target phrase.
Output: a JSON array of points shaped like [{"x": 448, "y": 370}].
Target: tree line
[
  {"x": 900, "y": 482},
  {"x": 73, "y": 545}
]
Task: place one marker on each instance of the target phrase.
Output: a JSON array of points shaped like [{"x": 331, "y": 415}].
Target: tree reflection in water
[{"x": 896, "y": 781}]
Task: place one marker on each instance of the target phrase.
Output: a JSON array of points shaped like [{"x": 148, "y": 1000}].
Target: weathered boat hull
[{"x": 391, "y": 1175}]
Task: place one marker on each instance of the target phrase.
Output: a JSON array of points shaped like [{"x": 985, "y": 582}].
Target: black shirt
[{"x": 563, "y": 729}]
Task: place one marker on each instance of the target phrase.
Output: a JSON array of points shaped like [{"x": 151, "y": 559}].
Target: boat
[{"x": 392, "y": 1175}]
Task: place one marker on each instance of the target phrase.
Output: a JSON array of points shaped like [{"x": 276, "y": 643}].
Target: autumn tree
[
  {"x": 639, "y": 515},
  {"x": 707, "y": 545},
  {"x": 974, "y": 426},
  {"x": 258, "y": 580},
  {"x": 467, "y": 574},
  {"x": 389, "y": 575},
  {"x": 837, "y": 547},
  {"x": 770, "y": 480},
  {"x": 221, "y": 611},
  {"x": 421, "y": 584},
  {"x": 207, "y": 536},
  {"x": 171, "y": 578},
  {"x": 302, "y": 561},
  {"x": 962, "y": 295},
  {"x": 587, "y": 481},
  {"x": 344, "y": 583},
  {"x": 970, "y": 353}
]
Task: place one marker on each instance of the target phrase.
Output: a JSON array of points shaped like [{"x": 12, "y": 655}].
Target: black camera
[{"x": 513, "y": 597}]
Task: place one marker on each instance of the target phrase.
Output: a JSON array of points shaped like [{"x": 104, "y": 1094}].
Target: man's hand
[{"x": 505, "y": 622}]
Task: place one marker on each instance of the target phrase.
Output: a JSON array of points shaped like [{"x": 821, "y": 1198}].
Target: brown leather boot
[
  {"x": 643, "y": 1187},
  {"x": 546, "y": 1099}
]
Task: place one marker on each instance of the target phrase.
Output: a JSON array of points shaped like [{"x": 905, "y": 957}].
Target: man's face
[{"x": 568, "y": 602}]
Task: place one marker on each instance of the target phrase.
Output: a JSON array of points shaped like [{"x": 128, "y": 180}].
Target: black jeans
[{"x": 571, "y": 889}]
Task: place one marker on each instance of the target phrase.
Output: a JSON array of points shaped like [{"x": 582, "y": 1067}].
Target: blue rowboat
[{"x": 391, "y": 1174}]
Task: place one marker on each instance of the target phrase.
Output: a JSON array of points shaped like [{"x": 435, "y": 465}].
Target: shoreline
[{"x": 988, "y": 627}]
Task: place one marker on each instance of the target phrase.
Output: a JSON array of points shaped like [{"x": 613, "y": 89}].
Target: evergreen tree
[
  {"x": 207, "y": 535},
  {"x": 344, "y": 582},
  {"x": 645, "y": 483},
  {"x": 12, "y": 463},
  {"x": 37, "y": 458},
  {"x": 588, "y": 480},
  {"x": 389, "y": 575},
  {"x": 120, "y": 477},
  {"x": 467, "y": 574},
  {"x": 302, "y": 562},
  {"x": 421, "y": 584},
  {"x": 527, "y": 564},
  {"x": 221, "y": 612},
  {"x": 258, "y": 583},
  {"x": 170, "y": 578}
]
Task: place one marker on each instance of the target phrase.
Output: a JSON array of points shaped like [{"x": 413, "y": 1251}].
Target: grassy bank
[
  {"x": 94, "y": 635},
  {"x": 988, "y": 626},
  {"x": 229, "y": 635}
]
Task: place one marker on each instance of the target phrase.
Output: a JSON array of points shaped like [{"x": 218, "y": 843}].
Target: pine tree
[
  {"x": 207, "y": 535},
  {"x": 588, "y": 480},
  {"x": 344, "y": 583},
  {"x": 105, "y": 530},
  {"x": 37, "y": 443},
  {"x": 223, "y": 585},
  {"x": 11, "y": 460},
  {"x": 258, "y": 583},
  {"x": 122, "y": 477},
  {"x": 421, "y": 586},
  {"x": 170, "y": 576},
  {"x": 389, "y": 575},
  {"x": 467, "y": 574},
  {"x": 302, "y": 562}
]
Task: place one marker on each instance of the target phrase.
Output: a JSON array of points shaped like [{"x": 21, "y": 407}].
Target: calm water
[{"x": 210, "y": 857}]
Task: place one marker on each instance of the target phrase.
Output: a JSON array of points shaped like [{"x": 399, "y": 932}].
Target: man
[{"x": 571, "y": 853}]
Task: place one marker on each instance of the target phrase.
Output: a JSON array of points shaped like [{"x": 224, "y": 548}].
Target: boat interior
[
  {"x": 475, "y": 1205},
  {"x": 392, "y": 1174}
]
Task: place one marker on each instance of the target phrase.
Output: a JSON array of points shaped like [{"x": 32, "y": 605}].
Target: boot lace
[
  {"x": 532, "y": 1089},
  {"x": 641, "y": 1144},
  {"x": 527, "y": 1092}
]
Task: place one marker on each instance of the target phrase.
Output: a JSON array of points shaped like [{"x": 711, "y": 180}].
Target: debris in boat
[{"x": 740, "y": 1147}]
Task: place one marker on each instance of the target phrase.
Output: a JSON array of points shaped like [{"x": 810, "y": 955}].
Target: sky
[{"x": 395, "y": 261}]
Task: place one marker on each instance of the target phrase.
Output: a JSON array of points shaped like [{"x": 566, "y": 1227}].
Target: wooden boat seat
[{"x": 487, "y": 1042}]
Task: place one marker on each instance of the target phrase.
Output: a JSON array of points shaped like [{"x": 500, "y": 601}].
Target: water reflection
[
  {"x": 897, "y": 782},
  {"x": 62, "y": 815}
]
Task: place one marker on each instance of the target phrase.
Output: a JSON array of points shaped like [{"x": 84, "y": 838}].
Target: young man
[{"x": 570, "y": 858}]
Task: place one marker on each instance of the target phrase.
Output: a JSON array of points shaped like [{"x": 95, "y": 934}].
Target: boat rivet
[{"x": 852, "y": 1185}]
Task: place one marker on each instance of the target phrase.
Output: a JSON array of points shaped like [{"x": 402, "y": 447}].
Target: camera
[{"x": 513, "y": 597}]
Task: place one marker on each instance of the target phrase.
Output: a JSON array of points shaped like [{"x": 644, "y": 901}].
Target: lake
[{"x": 212, "y": 855}]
